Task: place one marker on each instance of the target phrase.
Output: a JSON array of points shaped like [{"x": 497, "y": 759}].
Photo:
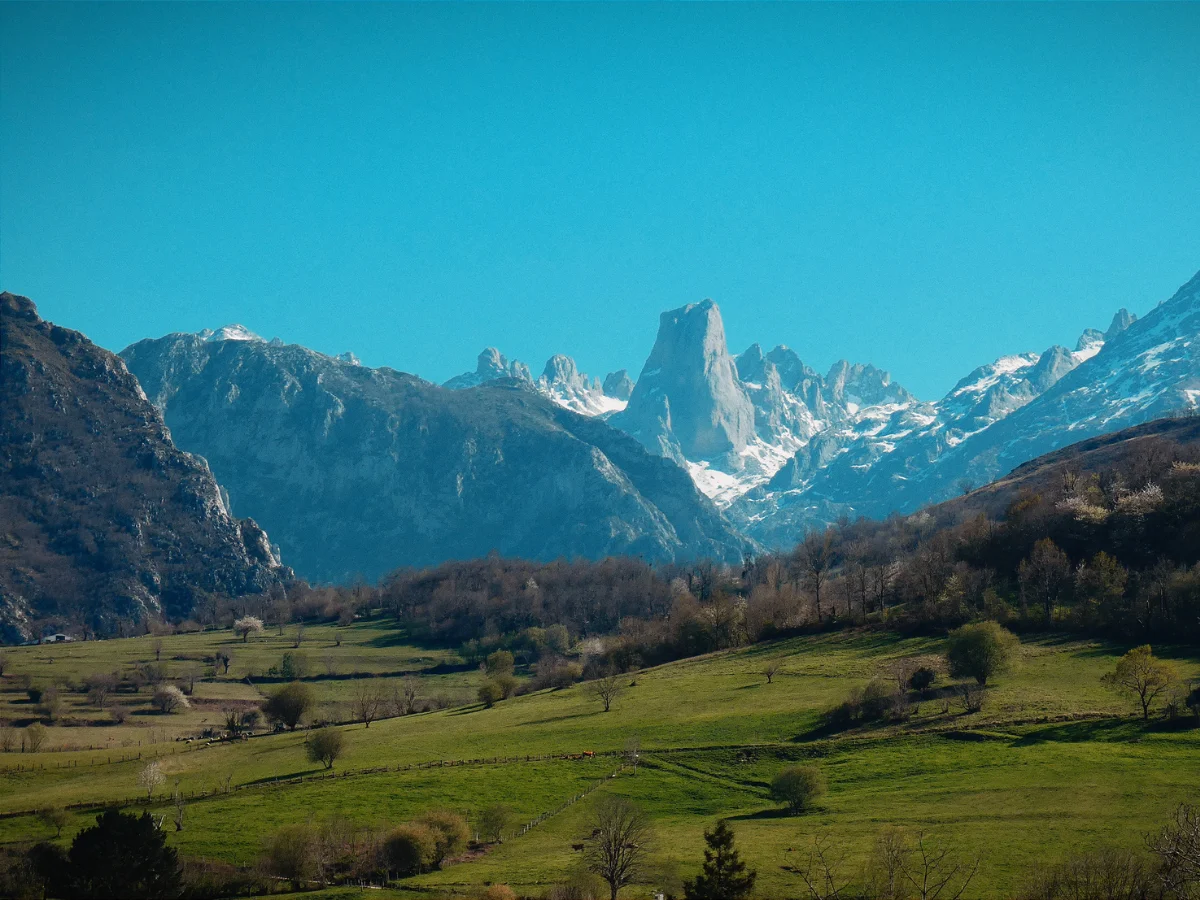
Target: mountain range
[
  {"x": 356, "y": 471},
  {"x": 781, "y": 448},
  {"x": 121, "y": 473}
]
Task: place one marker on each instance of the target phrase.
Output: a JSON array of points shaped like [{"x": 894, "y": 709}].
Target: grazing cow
[
  {"x": 588, "y": 754},
  {"x": 577, "y": 847}
]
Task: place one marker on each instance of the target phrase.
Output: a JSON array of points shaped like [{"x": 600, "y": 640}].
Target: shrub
[
  {"x": 924, "y": 677},
  {"x": 409, "y": 849},
  {"x": 325, "y": 745},
  {"x": 798, "y": 787},
  {"x": 450, "y": 830},
  {"x": 291, "y": 853},
  {"x": 119, "y": 714},
  {"x": 35, "y": 736},
  {"x": 980, "y": 651},
  {"x": 498, "y": 892},
  {"x": 293, "y": 665},
  {"x": 490, "y": 692},
  {"x": 581, "y": 885},
  {"x": 288, "y": 705},
  {"x": 500, "y": 663}
]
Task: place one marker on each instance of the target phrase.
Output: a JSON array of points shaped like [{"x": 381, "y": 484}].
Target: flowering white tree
[
  {"x": 246, "y": 625},
  {"x": 151, "y": 777},
  {"x": 168, "y": 699}
]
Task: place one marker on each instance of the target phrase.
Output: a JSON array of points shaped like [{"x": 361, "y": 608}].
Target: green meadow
[{"x": 1054, "y": 763}]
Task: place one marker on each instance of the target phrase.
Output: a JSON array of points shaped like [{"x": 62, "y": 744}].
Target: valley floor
[{"x": 1055, "y": 763}]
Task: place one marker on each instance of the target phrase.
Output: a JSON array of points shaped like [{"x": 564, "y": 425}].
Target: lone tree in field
[
  {"x": 617, "y": 851},
  {"x": 798, "y": 787},
  {"x": 289, "y": 704},
  {"x": 1138, "y": 673},
  {"x": 55, "y": 817},
  {"x": 325, "y": 745},
  {"x": 247, "y": 625},
  {"x": 150, "y": 777},
  {"x": 724, "y": 876},
  {"x": 607, "y": 689},
  {"x": 494, "y": 821},
  {"x": 367, "y": 701},
  {"x": 980, "y": 651},
  {"x": 771, "y": 669}
]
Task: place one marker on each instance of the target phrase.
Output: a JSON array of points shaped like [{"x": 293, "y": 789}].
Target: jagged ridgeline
[
  {"x": 102, "y": 517},
  {"x": 354, "y": 470},
  {"x": 782, "y": 449}
]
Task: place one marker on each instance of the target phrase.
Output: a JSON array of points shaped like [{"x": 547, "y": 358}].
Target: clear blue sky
[{"x": 922, "y": 187}]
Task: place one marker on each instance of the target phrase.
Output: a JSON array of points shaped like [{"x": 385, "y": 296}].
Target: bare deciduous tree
[
  {"x": 822, "y": 872},
  {"x": 180, "y": 806},
  {"x": 771, "y": 669},
  {"x": 619, "y": 844},
  {"x": 815, "y": 557},
  {"x": 1178, "y": 847},
  {"x": 366, "y": 701},
  {"x": 409, "y": 690},
  {"x": 607, "y": 689},
  {"x": 936, "y": 873}
]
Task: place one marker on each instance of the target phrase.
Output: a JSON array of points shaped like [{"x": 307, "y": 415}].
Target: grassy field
[{"x": 1054, "y": 762}]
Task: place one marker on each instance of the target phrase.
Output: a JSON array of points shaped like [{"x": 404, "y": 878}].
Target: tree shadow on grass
[
  {"x": 1097, "y": 730},
  {"x": 579, "y": 715},
  {"x": 303, "y": 774},
  {"x": 775, "y": 812}
]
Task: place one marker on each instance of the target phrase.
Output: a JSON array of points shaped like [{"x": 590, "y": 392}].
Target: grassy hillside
[{"x": 1053, "y": 763}]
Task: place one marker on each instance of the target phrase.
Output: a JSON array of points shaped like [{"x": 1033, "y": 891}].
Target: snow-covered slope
[
  {"x": 783, "y": 448},
  {"x": 561, "y": 381}
]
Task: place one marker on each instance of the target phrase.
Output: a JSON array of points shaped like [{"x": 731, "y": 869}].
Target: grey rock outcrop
[{"x": 688, "y": 401}]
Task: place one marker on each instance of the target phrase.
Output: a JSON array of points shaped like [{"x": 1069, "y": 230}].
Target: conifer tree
[{"x": 724, "y": 875}]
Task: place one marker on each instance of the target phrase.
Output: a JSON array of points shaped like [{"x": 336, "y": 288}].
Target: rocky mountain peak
[
  {"x": 752, "y": 364},
  {"x": 490, "y": 366},
  {"x": 688, "y": 399},
  {"x": 1091, "y": 338},
  {"x": 1121, "y": 320},
  {"x": 618, "y": 385},
  {"x": 560, "y": 368}
]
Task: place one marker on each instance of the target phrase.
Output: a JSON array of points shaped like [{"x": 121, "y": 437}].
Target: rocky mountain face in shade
[
  {"x": 103, "y": 517},
  {"x": 356, "y": 470}
]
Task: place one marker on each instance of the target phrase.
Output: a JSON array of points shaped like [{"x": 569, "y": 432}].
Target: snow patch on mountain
[{"x": 229, "y": 333}]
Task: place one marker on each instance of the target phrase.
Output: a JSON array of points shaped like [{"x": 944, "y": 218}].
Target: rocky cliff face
[
  {"x": 358, "y": 470},
  {"x": 103, "y": 517},
  {"x": 689, "y": 403}
]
